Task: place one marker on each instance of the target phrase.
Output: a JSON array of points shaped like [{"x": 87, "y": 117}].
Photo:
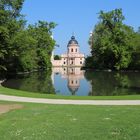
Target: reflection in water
[
  {"x": 74, "y": 81},
  {"x": 112, "y": 83},
  {"x": 73, "y": 76},
  {"x": 34, "y": 82}
]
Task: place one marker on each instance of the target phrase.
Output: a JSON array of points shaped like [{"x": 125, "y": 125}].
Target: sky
[{"x": 78, "y": 17}]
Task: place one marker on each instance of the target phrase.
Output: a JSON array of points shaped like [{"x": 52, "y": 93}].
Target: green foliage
[
  {"x": 135, "y": 63},
  {"x": 10, "y": 24},
  {"x": 57, "y": 57},
  {"x": 89, "y": 62},
  {"x": 23, "y": 49},
  {"x": 112, "y": 41},
  {"x": 41, "y": 32},
  {"x": 26, "y": 51}
]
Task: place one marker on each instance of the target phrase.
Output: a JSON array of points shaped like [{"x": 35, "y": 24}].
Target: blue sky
[{"x": 78, "y": 16}]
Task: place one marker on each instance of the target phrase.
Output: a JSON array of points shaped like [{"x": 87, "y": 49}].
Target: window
[
  {"x": 71, "y": 82},
  {"x": 80, "y": 62},
  {"x": 71, "y": 50},
  {"x": 64, "y": 63},
  {"x": 72, "y": 62},
  {"x": 75, "y": 50}
]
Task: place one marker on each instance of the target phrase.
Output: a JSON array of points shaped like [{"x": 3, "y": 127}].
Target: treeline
[
  {"x": 22, "y": 47},
  {"x": 114, "y": 45}
]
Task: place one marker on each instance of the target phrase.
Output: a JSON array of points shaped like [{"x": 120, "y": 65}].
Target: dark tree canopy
[{"x": 57, "y": 57}]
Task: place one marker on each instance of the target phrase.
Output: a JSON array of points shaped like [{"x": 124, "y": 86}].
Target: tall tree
[
  {"x": 112, "y": 41},
  {"x": 11, "y": 23},
  {"x": 42, "y": 33},
  {"x": 23, "y": 48},
  {"x": 135, "y": 63}
]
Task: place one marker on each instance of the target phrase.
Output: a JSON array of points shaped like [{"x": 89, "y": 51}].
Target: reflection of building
[
  {"x": 72, "y": 74},
  {"x": 72, "y": 58}
]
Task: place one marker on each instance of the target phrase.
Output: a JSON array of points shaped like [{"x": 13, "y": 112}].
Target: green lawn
[
  {"x": 8, "y": 91},
  {"x": 70, "y": 122}
]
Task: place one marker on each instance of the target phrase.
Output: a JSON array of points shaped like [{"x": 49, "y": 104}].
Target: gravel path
[{"x": 72, "y": 102}]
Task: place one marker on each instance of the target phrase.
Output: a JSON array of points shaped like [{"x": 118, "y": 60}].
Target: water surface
[{"x": 74, "y": 81}]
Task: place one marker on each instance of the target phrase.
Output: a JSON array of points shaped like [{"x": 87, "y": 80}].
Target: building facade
[{"x": 73, "y": 57}]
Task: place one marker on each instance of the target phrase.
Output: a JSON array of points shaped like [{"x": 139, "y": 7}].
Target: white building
[{"x": 72, "y": 58}]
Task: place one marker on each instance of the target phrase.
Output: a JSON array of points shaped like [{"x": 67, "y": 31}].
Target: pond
[{"x": 74, "y": 81}]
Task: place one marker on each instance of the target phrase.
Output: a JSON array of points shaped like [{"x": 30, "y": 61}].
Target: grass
[
  {"x": 8, "y": 91},
  {"x": 70, "y": 122}
]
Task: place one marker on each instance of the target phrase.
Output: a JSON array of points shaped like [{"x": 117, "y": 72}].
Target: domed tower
[
  {"x": 74, "y": 57},
  {"x": 73, "y": 47}
]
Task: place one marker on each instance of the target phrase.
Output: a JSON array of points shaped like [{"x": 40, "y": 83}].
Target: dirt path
[
  {"x": 72, "y": 102},
  {"x": 6, "y": 108}
]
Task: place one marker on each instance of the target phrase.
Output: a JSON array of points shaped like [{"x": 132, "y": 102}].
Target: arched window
[
  {"x": 75, "y": 50},
  {"x": 71, "y": 50}
]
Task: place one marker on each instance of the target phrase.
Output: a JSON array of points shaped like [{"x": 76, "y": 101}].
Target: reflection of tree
[
  {"x": 102, "y": 83},
  {"x": 106, "y": 83},
  {"x": 123, "y": 80},
  {"x": 35, "y": 82},
  {"x": 128, "y": 82}
]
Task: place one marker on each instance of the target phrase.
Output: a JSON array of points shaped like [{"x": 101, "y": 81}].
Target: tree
[
  {"x": 41, "y": 32},
  {"x": 57, "y": 57},
  {"x": 11, "y": 22},
  {"x": 26, "y": 57},
  {"x": 89, "y": 62},
  {"x": 23, "y": 48},
  {"x": 135, "y": 63},
  {"x": 112, "y": 40}
]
